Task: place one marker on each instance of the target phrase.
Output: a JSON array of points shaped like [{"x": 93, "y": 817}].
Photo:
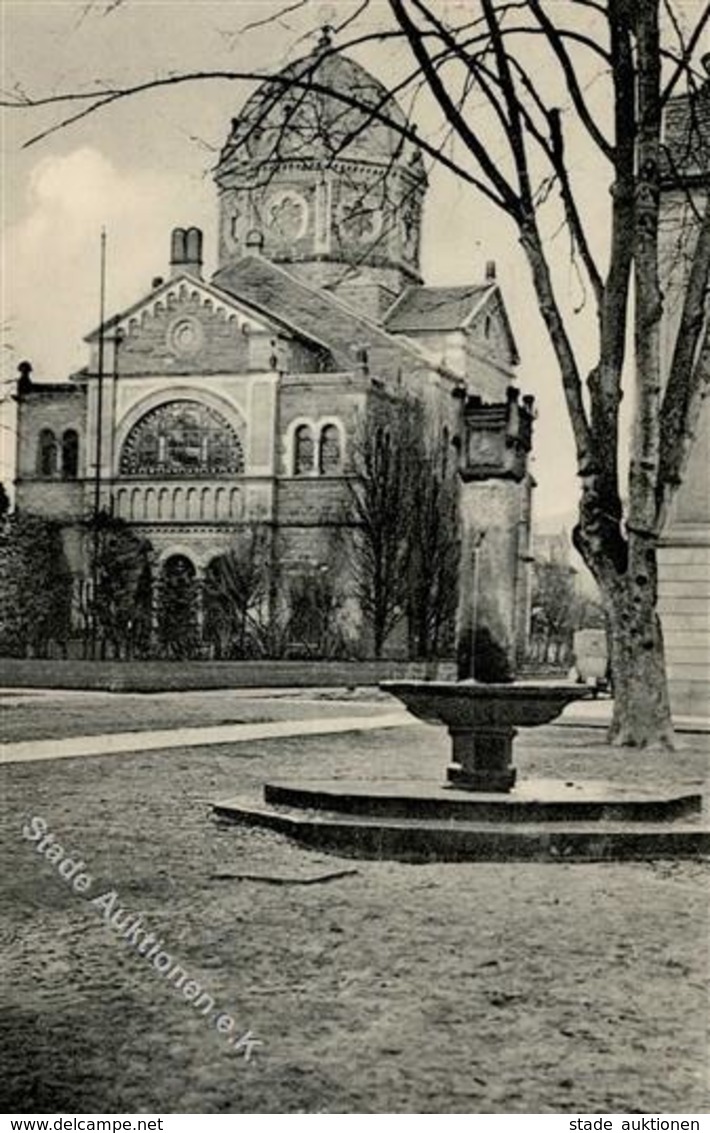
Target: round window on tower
[
  {"x": 360, "y": 216},
  {"x": 287, "y": 215}
]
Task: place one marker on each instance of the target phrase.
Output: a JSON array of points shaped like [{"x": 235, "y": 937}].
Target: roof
[
  {"x": 436, "y": 308},
  {"x": 424, "y": 310},
  {"x": 315, "y": 314},
  {"x": 286, "y": 117},
  {"x": 686, "y": 136},
  {"x": 192, "y": 283}
]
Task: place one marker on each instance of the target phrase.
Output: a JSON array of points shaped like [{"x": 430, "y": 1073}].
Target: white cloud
[{"x": 53, "y": 252}]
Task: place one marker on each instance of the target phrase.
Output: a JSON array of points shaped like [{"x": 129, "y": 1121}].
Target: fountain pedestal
[
  {"x": 482, "y": 720},
  {"x": 482, "y": 760}
]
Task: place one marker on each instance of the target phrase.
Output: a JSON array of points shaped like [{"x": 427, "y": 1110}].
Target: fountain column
[{"x": 495, "y": 487}]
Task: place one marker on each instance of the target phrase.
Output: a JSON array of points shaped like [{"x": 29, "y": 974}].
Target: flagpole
[{"x": 99, "y": 440}]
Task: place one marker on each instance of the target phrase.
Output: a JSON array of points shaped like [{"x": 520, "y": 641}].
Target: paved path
[
  {"x": 597, "y": 714},
  {"x": 122, "y": 743},
  {"x": 589, "y": 713}
]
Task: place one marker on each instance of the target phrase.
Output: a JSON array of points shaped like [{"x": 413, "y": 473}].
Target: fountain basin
[
  {"x": 474, "y": 704},
  {"x": 482, "y": 720}
]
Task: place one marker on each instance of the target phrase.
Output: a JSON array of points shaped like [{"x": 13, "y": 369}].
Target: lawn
[
  {"x": 34, "y": 715},
  {"x": 400, "y": 988}
]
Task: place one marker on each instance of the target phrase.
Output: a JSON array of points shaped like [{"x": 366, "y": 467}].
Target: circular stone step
[
  {"x": 534, "y": 800},
  {"x": 422, "y": 840}
]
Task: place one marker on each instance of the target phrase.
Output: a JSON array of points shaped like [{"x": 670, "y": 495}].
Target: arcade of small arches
[
  {"x": 58, "y": 457},
  {"x": 181, "y": 503}
]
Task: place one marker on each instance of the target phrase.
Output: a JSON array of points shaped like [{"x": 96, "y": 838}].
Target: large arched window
[
  {"x": 303, "y": 450},
  {"x": 331, "y": 457},
  {"x": 47, "y": 453},
  {"x": 182, "y": 438},
  {"x": 70, "y": 454}
]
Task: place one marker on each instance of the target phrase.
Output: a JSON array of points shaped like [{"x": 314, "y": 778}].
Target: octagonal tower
[{"x": 309, "y": 180}]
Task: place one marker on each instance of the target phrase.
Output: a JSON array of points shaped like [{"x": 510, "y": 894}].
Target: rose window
[
  {"x": 287, "y": 215},
  {"x": 182, "y": 438}
]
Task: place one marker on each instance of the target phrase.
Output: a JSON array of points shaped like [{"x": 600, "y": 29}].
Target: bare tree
[
  {"x": 122, "y": 569},
  {"x": 518, "y": 159},
  {"x": 433, "y": 548},
  {"x": 315, "y": 601},
  {"x": 620, "y": 548},
  {"x": 235, "y": 591},
  {"x": 403, "y": 505},
  {"x": 380, "y": 507},
  {"x": 556, "y": 608}
]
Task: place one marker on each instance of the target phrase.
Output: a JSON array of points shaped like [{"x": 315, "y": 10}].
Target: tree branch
[
  {"x": 557, "y": 44},
  {"x": 686, "y": 55},
  {"x": 572, "y": 213},
  {"x": 502, "y": 193}
]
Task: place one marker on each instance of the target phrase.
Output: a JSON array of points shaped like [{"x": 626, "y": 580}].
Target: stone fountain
[
  {"x": 484, "y": 708},
  {"x": 479, "y": 812}
]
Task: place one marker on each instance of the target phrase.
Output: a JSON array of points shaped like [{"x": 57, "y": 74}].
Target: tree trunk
[
  {"x": 641, "y": 706},
  {"x": 378, "y": 637},
  {"x": 641, "y": 715}
]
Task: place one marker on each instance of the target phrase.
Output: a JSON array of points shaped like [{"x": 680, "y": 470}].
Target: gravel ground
[{"x": 481, "y": 988}]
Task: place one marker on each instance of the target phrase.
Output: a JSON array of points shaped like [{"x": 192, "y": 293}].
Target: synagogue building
[{"x": 214, "y": 403}]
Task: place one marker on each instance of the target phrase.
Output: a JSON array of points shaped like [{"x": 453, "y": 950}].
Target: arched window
[
  {"x": 303, "y": 450},
  {"x": 330, "y": 453},
  {"x": 47, "y": 453},
  {"x": 178, "y": 608},
  {"x": 70, "y": 454},
  {"x": 182, "y": 438}
]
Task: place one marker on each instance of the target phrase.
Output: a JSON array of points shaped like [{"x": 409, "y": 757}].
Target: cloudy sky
[{"x": 143, "y": 165}]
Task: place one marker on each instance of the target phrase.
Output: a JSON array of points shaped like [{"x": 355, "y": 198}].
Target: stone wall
[
  {"x": 684, "y": 554},
  {"x": 51, "y": 407},
  {"x": 64, "y": 500},
  {"x": 684, "y": 602}
]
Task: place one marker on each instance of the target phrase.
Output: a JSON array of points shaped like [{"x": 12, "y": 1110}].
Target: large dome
[
  {"x": 304, "y": 113},
  {"x": 309, "y": 179}
]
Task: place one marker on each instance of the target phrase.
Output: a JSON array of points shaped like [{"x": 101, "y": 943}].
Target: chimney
[
  {"x": 490, "y": 271},
  {"x": 186, "y": 252}
]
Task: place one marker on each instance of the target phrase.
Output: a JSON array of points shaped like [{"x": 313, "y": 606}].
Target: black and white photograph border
[{"x": 355, "y": 560}]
